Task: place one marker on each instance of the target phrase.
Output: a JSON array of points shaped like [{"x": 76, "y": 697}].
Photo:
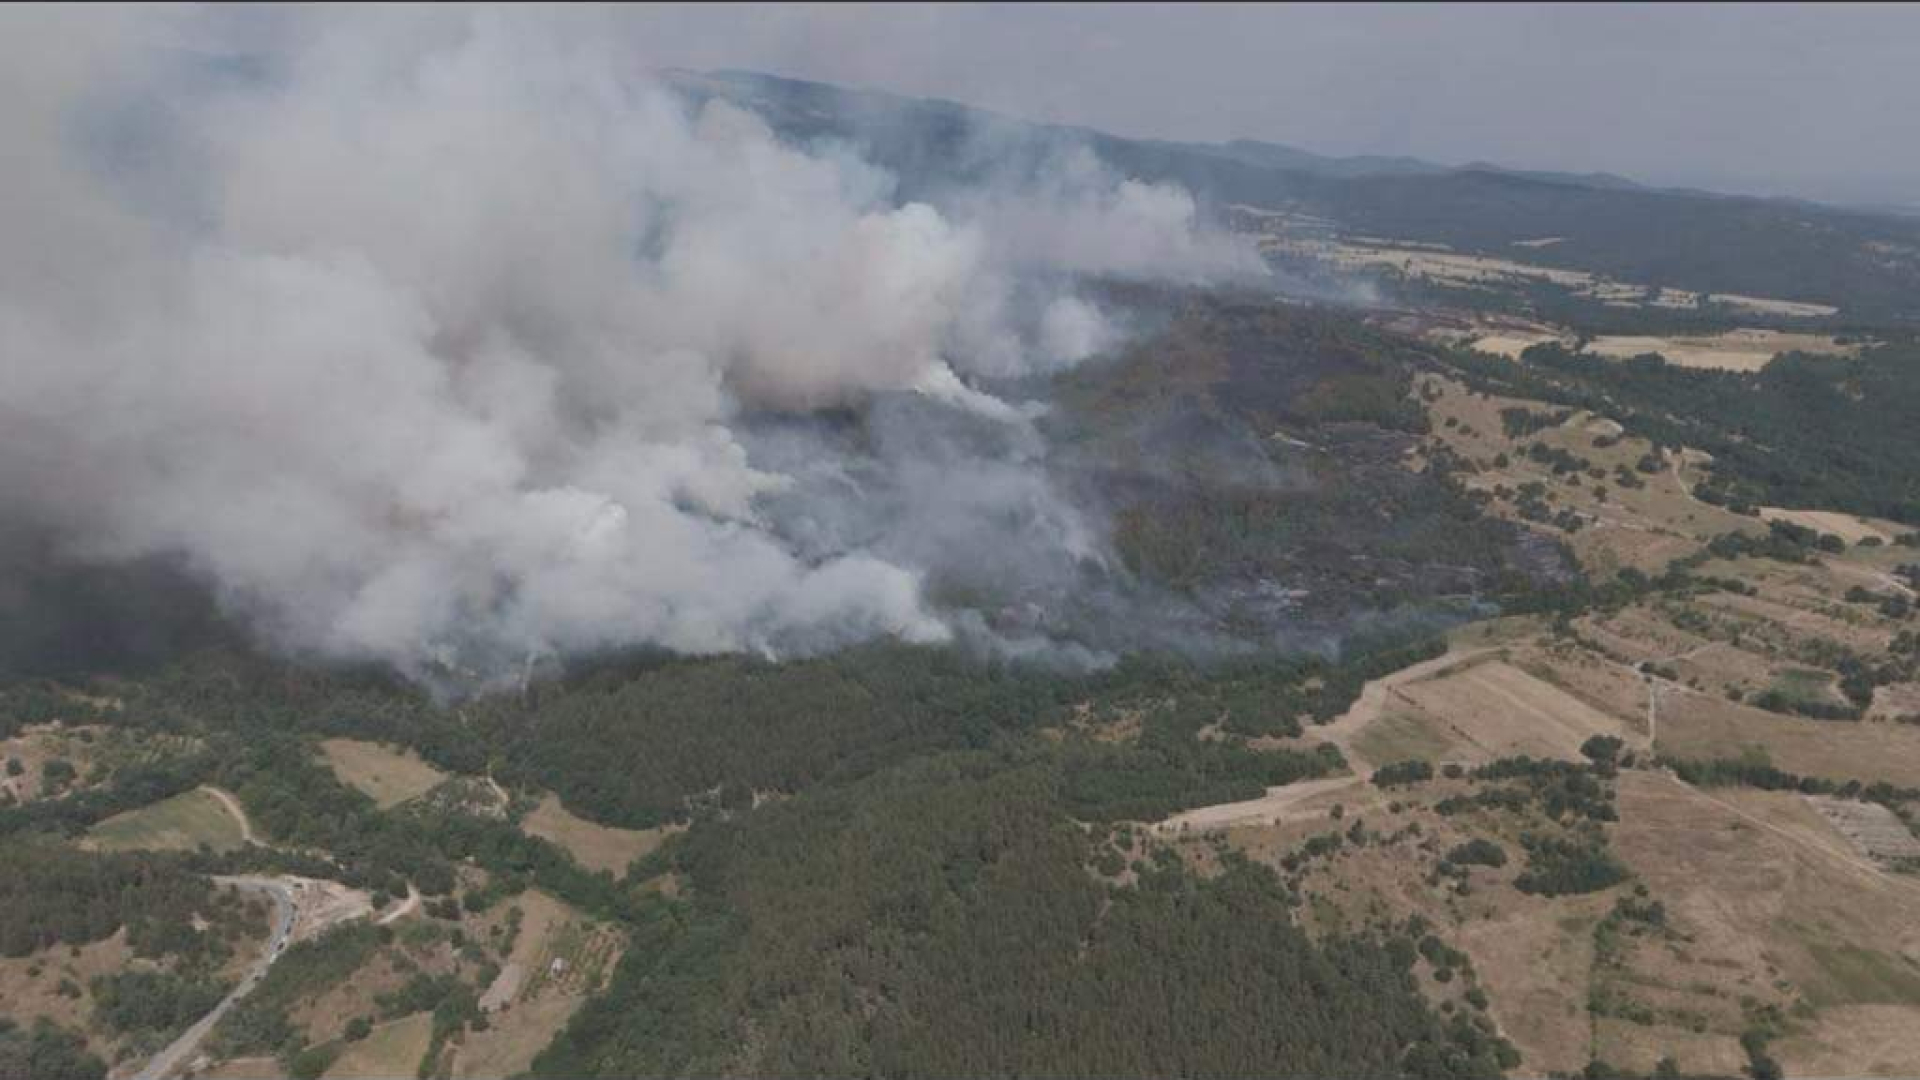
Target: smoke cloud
[{"x": 445, "y": 340}]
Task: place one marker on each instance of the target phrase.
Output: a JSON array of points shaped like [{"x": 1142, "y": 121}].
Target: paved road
[{"x": 182, "y": 1049}]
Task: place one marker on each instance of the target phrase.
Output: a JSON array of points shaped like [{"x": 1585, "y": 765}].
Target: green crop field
[{"x": 183, "y": 822}]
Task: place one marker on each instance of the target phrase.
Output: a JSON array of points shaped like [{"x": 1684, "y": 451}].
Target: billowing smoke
[{"x": 448, "y": 340}]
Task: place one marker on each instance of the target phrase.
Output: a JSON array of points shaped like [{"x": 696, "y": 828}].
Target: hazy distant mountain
[{"x": 1865, "y": 262}]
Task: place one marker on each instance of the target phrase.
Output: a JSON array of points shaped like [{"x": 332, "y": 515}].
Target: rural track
[
  {"x": 1860, "y": 866},
  {"x": 411, "y": 905},
  {"x": 239, "y": 813},
  {"x": 1275, "y": 805},
  {"x": 181, "y": 1050}
]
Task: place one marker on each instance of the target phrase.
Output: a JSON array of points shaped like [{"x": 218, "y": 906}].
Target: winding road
[{"x": 182, "y": 1049}]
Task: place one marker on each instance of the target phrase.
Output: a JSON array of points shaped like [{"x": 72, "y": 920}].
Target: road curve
[
  {"x": 1279, "y": 803},
  {"x": 181, "y": 1049},
  {"x": 233, "y": 807}
]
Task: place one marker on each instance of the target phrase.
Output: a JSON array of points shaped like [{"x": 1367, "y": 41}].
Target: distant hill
[{"x": 1866, "y": 263}]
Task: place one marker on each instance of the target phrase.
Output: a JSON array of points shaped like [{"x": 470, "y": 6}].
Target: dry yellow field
[
  {"x": 524, "y": 1012},
  {"x": 1494, "y": 710},
  {"x": 1705, "y": 726},
  {"x": 388, "y": 776},
  {"x": 1734, "y": 350},
  {"x": 249, "y": 1068},
  {"x": 594, "y": 846},
  {"x": 1847, "y": 527},
  {"x": 1775, "y": 905}
]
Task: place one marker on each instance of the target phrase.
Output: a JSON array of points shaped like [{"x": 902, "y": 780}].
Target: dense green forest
[
  {"x": 55, "y": 895},
  {"x": 46, "y": 1051},
  {"x": 940, "y": 918}
]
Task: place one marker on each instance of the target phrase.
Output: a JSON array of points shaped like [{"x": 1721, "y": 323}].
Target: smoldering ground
[{"x": 445, "y": 339}]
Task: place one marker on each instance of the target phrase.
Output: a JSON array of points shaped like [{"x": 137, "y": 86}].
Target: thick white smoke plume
[{"x": 452, "y": 338}]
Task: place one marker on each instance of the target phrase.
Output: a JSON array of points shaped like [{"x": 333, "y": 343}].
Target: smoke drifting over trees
[{"x": 443, "y": 340}]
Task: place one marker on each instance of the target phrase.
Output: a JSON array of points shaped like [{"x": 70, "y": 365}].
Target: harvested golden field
[
  {"x": 592, "y": 845},
  {"x": 249, "y": 1068},
  {"x": 1511, "y": 344},
  {"x": 1770, "y": 903},
  {"x": 1733, "y": 350},
  {"x": 1791, "y": 308},
  {"x": 1849, "y": 527},
  {"x": 1705, "y": 726},
  {"x": 388, "y": 776},
  {"x": 1494, "y": 709}
]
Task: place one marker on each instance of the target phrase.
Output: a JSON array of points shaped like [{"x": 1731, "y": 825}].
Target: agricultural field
[
  {"x": 199, "y": 818},
  {"x": 386, "y": 775},
  {"x": 1741, "y": 349},
  {"x": 1493, "y": 709},
  {"x": 592, "y": 845},
  {"x": 1736, "y": 913},
  {"x": 1437, "y": 264},
  {"x": 529, "y": 1001}
]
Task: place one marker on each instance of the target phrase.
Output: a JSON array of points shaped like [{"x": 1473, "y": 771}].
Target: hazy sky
[{"x": 1787, "y": 99}]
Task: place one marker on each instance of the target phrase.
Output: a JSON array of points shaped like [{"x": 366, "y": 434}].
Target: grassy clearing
[
  {"x": 1856, "y": 975},
  {"x": 594, "y": 846},
  {"x": 1802, "y": 687},
  {"x": 392, "y": 1050},
  {"x": 1498, "y": 710},
  {"x": 388, "y": 776},
  {"x": 181, "y": 823}
]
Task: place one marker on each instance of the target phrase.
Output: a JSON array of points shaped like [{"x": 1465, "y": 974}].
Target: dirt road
[
  {"x": 1280, "y": 803},
  {"x": 239, "y": 813},
  {"x": 1272, "y": 807},
  {"x": 411, "y": 905},
  {"x": 1373, "y": 701}
]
